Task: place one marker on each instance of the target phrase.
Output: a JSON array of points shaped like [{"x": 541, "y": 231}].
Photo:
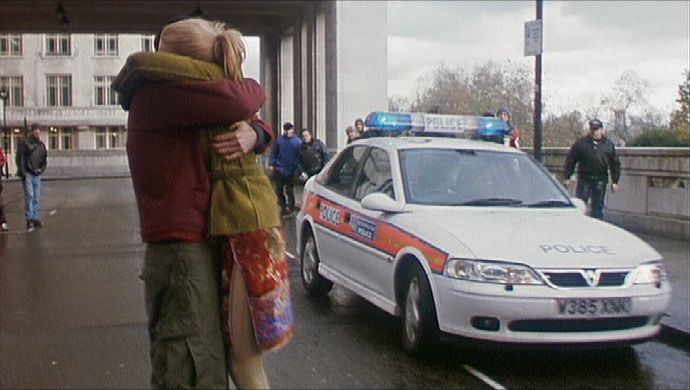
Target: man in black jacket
[
  {"x": 32, "y": 159},
  {"x": 313, "y": 154},
  {"x": 595, "y": 156}
]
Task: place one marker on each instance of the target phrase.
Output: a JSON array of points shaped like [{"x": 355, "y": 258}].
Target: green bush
[{"x": 658, "y": 138}]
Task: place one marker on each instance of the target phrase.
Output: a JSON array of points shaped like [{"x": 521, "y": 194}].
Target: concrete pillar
[
  {"x": 85, "y": 138},
  {"x": 287, "y": 80},
  {"x": 361, "y": 39},
  {"x": 269, "y": 70},
  {"x": 297, "y": 85},
  {"x": 320, "y": 75}
]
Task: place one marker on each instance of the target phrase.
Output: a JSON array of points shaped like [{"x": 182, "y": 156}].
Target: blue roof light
[
  {"x": 465, "y": 126},
  {"x": 389, "y": 121}
]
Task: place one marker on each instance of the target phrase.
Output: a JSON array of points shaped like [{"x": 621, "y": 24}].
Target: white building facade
[{"x": 62, "y": 82}]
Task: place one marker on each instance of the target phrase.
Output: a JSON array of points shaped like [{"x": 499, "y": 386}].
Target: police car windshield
[{"x": 448, "y": 177}]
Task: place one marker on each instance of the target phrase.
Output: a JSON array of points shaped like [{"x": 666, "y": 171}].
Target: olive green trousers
[{"x": 183, "y": 298}]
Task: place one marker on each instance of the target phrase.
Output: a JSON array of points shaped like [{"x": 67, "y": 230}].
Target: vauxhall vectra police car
[{"x": 472, "y": 238}]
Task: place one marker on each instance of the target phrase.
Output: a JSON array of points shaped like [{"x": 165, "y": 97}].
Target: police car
[{"x": 472, "y": 238}]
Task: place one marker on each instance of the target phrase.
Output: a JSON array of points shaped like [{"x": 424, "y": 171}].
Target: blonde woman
[{"x": 257, "y": 313}]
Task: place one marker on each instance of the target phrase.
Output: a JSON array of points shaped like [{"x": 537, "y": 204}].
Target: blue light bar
[
  {"x": 391, "y": 121},
  {"x": 464, "y": 126}
]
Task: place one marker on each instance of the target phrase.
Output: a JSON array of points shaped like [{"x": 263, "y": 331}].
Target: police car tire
[
  {"x": 316, "y": 285},
  {"x": 422, "y": 335}
]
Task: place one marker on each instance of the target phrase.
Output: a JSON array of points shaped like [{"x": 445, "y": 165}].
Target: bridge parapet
[{"x": 654, "y": 194}]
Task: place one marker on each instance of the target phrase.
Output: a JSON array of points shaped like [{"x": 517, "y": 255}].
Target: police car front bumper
[{"x": 536, "y": 313}]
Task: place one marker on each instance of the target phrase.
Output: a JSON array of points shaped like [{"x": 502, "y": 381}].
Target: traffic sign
[{"x": 533, "y": 37}]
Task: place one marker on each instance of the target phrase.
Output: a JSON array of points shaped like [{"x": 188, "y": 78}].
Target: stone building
[{"x": 62, "y": 82}]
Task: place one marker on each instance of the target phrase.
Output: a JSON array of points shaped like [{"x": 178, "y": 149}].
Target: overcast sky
[{"x": 587, "y": 45}]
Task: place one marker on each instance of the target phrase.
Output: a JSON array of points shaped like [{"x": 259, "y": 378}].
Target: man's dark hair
[
  {"x": 288, "y": 126},
  {"x": 595, "y": 124},
  {"x": 35, "y": 126},
  {"x": 307, "y": 130}
]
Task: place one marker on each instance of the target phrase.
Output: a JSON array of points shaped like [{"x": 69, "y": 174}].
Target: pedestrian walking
[
  {"x": 32, "y": 159},
  {"x": 176, "y": 216},
  {"x": 313, "y": 154},
  {"x": 284, "y": 167},
  {"x": 595, "y": 158},
  {"x": 3, "y": 219}
]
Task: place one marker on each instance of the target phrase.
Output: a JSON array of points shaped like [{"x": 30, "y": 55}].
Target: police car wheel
[
  {"x": 419, "y": 323},
  {"x": 313, "y": 282}
]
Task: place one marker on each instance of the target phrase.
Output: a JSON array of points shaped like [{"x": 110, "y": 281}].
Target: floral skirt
[{"x": 260, "y": 256}]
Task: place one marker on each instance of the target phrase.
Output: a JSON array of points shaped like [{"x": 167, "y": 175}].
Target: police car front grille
[
  {"x": 612, "y": 279},
  {"x": 571, "y": 279},
  {"x": 578, "y": 325}
]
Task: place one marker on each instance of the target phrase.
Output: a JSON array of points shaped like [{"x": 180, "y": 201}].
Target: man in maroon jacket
[{"x": 172, "y": 186}]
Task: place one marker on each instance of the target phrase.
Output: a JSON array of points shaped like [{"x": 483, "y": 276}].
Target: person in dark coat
[
  {"x": 32, "y": 159},
  {"x": 313, "y": 154},
  {"x": 284, "y": 167},
  {"x": 595, "y": 157}
]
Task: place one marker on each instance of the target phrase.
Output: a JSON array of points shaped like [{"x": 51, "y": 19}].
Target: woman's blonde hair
[{"x": 206, "y": 41}]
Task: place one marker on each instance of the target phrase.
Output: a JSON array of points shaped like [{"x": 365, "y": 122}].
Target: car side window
[
  {"x": 376, "y": 175},
  {"x": 342, "y": 175}
]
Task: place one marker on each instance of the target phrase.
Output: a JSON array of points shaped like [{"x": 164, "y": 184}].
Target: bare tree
[
  {"x": 446, "y": 92},
  {"x": 629, "y": 90},
  {"x": 564, "y": 129},
  {"x": 680, "y": 118}
]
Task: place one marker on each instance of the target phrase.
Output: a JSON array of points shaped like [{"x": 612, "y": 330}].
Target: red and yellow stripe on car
[{"x": 376, "y": 234}]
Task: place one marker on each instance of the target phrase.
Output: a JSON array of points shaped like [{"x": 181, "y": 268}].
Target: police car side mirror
[
  {"x": 580, "y": 204},
  {"x": 378, "y": 201}
]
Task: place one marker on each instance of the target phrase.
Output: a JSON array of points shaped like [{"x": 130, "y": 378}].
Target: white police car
[{"x": 472, "y": 238}]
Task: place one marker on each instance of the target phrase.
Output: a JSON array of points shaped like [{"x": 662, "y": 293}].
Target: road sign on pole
[{"x": 533, "y": 37}]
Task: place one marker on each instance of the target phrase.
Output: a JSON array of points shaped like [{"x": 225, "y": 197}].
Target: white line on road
[{"x": 484, "y": 378}]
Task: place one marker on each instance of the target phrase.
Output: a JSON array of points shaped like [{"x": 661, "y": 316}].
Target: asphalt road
[{"x": 72, "y": 316}]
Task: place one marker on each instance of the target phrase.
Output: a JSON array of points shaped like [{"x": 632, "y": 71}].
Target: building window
[
  {"x": 112, "y": 137},
  {"x": 58, "y": 45},
  {"x": 104, "y": 95},
  {"x": 10, "y": 45},
  {"x": 59, "y": 90},
  {"x": 147, "y": 43},
  {"x": 61, "y": 138},
  {"x": 15, "y": 87},
  {"x": 105, "y": 45}
]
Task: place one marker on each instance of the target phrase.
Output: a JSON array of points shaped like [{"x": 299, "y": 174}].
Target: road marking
[
  {"x": 484, "y": 378},
  {"x": 290, "y": 255}
]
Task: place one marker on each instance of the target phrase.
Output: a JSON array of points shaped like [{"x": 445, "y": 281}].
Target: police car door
[
  {"x": 336, "y": 202},
  {"x": 371, "y": 266}
]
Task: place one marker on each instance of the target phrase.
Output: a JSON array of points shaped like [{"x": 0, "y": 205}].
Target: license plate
[{"x": 595, "y": 307}]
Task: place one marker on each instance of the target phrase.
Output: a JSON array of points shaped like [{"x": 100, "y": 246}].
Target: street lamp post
[{"x": 4, "y": 95}]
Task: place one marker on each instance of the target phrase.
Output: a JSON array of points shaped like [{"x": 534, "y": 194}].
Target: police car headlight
[
  {"x": 491, "y": 272},
  {"x": 650, "y": 273}
]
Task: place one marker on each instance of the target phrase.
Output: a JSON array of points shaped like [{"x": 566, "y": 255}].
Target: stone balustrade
[{"x": 653, "y": 197}]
